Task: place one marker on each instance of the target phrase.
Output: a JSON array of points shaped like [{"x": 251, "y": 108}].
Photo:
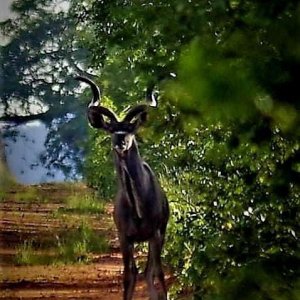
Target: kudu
[{"x": 141, "y": 209}]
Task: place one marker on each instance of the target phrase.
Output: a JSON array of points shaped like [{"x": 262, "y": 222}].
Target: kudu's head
[{"x": 122, "y": 132}]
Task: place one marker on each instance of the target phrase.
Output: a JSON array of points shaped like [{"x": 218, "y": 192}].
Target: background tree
[{"x": 37, "y": 68}]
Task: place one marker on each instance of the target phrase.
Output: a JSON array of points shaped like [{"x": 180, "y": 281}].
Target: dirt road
[{"x": 31, "y": 214}]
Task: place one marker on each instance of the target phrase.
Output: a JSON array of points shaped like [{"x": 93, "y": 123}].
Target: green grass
[
  {"x": 30, "y": 194},
  {"x": 25, "y": 254},
  {"x": 2, "y": 195},
  {"x": 76, "y": 246},
  {"x": 83, "y": 204},
  {"x": 80, "y": 244}
]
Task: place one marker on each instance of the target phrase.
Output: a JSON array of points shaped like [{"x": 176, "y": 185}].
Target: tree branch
[{"x": 44, "y": 116}]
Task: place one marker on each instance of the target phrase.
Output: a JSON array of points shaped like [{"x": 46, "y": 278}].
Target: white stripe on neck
[{"x": 94, "y": 103}]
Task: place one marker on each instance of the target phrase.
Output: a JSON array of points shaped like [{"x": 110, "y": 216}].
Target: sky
[
  {"x": 23, "y": 155},
  {"x": 4, "y": 9}
]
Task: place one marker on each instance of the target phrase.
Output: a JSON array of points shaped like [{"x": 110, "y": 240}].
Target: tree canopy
[{"x": 212, "y": 47}]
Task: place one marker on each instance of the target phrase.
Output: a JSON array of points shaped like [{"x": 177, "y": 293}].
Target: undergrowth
[
  {"x": 76, "y": 246},
  {"x": 85, "y": 204}
]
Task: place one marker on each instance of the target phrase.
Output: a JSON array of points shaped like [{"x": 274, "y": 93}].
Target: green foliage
[
  {"x": 234, "y": 59},
  {"x": 260, "y": 280},
  {"x": 99, "y": 165},
  {"x": 207, "y": 85},
  {"x": 245, "y": 72},
  {"x": 228, "y": 210},
  {"x": 226, "y": 144},
  {"x": 99, "y": 162}
]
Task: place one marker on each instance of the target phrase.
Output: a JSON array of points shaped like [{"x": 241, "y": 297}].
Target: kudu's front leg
[
  {"x": 154, "y": 268},
  {"x": 130, "y": 270}
]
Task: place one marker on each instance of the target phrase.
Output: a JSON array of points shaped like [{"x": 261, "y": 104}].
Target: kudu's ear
[
  {"x": 96, "y": 119},
  {"x": 139, "y": 120},
  {"x": 137, "y": 116}
]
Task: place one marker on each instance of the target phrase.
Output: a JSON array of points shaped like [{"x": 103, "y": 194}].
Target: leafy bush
[
  {"x": 99, "y": 169},
  {"x": 229, "y": 211}
]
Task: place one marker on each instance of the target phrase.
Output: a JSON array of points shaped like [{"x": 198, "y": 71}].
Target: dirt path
[{"x": 35, "y": 218}]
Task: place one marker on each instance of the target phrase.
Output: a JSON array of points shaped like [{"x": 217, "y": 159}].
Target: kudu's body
[{"x": 141, "y": 209}]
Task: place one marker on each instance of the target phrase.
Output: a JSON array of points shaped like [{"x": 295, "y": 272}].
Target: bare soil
[{"x": 30, "y": 213}]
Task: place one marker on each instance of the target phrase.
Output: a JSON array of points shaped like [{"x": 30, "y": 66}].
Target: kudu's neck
[
  {"x": 134, "y": 162},
  {"x": 131, "y": 161},
  {"x": 132, "y": 177}
]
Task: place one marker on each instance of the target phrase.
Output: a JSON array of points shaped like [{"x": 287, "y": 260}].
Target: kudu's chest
[
  {"x": 136, "y": 191},
  {"x": 136, "y": 229}
]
